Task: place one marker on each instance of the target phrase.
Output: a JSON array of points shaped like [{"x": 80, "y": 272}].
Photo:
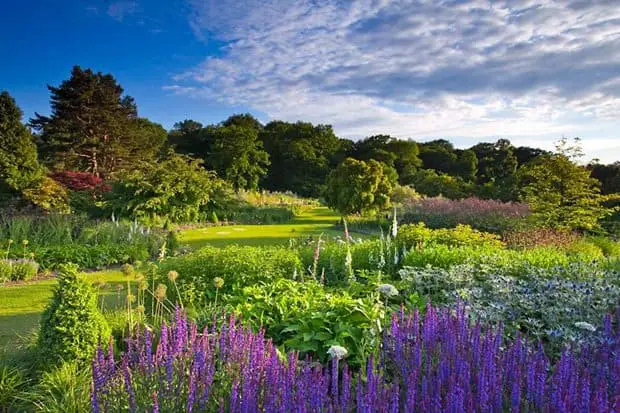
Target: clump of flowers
[{"x": 439, "y": 362}]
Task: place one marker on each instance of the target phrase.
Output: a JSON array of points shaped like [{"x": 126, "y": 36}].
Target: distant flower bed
[
  {"x": 485, "y": 215},
  {"x": 438, "y": 363}
]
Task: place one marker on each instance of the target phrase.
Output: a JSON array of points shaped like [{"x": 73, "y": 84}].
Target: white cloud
[{"x": 418, "y": 69}]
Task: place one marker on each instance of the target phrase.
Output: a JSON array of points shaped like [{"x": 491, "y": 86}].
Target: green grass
[
  {"x": 312, "y": 222},
  {"x": 21, "y": 305}
]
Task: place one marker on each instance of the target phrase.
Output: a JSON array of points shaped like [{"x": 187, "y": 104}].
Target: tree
[
  {"x": 238, "y": 156},
  {"x": 244, "y": 120},
  {"x": 608, "y": 175},
  {"x": 358, "y": 187},
  {"x": 399, "y": 154},
  {"x": 19, "y": 166},
  {"x": 431, "y": 183},
  {"x": 496, "y": 161},
  {"x": 301, "y": 156},
  {"x": 176, "y": 187},
  {"x": 94, "y": 127},
  {"x": 561, "y": 193}
]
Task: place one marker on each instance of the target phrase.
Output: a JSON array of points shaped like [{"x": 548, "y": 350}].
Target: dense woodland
[{"x": 95, "y": 139}]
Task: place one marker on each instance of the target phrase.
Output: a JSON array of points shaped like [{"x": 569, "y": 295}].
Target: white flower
[
  {"x": 337, "y": 352},
  {"x": 585, "y": 326},
  {"x": 388, "y": 290}
]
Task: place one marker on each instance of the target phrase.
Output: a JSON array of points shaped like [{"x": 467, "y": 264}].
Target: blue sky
[{"x": 531, "y": 71}]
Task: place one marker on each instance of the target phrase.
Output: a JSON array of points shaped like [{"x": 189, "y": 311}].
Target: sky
[{"x": 532, "y": 71}]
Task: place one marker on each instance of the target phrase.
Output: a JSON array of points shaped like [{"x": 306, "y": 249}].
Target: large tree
[
  {"x": 238, "y": 156},
  {"x": 301, "y": 155},
  {"x": 19, "y": 166},
  {"x": 562, "y": 193},
  {"x": 94, "y": 127},
  {"x": 358, "y": 187}
]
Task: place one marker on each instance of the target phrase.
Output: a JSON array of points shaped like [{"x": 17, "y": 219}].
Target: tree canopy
[{"x": 94, "y": 127}]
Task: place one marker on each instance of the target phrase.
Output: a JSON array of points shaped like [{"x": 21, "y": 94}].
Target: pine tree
[
  {"x": 19, "y": 166},
  {"x": 94, "y": 127}
]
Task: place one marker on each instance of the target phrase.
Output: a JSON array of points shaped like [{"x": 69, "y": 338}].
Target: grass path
[
  {"x": 21, "y": 305},
  {"x": 312, "y": 222}
]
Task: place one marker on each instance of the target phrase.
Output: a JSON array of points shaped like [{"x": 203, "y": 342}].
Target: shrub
[
  {"x": 484, "y": 215},
  {"x": 609, "y": 247},
  {"x": 49, "y": 195},
  {"x": 463, "y": 235},
  {"x": 23, "y": 269},
  {"x": 237, "y": 266},
  {"x": 71, "y": 326}
]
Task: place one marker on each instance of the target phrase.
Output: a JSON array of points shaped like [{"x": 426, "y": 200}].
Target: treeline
[{"x": 95, "y": 129}]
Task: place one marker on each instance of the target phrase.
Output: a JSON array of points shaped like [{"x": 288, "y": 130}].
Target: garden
[{"x": 180, "y": 271}]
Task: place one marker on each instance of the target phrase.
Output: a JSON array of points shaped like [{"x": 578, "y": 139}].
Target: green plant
[
  {"x": 23, "y": 269},
  {"x": 12, "y": 383},
  {"x": 6, "y": 270},
  {"x": 64, "y": 389},
  {"x": 71, "y": 326},
  {"x": 418, "y": 235},
  {"x": 237, "y": 266}
]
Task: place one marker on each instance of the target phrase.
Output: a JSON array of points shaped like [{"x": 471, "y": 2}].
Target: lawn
[{"x": 310, "y": 223}]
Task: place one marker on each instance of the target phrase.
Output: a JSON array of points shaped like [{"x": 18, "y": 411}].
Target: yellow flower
[
  {"x": 24, "y": 242},
  {"x": 160, "y": 292},
  {"x": 218, "y": 282}
]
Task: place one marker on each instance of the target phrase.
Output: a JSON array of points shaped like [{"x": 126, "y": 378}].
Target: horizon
[{"x": 528, "y": 71}]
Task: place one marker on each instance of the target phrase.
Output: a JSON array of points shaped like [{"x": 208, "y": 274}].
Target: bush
[
  {"x": 609, "y": 247},
  {"x": 237, "y": 266},
  {"x": 71, "y": 326},
  {"x": 86, "y": 256},
  {"x": 23, "y": 269},
  {"x": 539, "y": 237},
  {"x": 463, "y": 235}
]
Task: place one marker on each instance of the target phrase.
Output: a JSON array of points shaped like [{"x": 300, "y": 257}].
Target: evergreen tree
[
  {"x": 19, "y": 166},
  {"x": 94, "y": 127}
]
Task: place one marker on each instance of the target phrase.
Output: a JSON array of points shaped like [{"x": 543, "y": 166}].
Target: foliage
[
  {"x": 358, "y": 187},
  {"x": 12, "y": 383},
  {"x": 49, "y": 195},
  {"x": 403, "y": 194},
  {"x": 237, "y": 266},
  {"x": 419, "y": 235},
  {"x": 301, "y": 155},
  {"x": 430, "y": 183},
  {"x": 561, "y": 193},
  {"x": 19, "y": 166},
  {"x": 94, "y": 127},
  {"x": 238, "y": 156},
  {"x": 545, "y": 304},
  {"x": 71, "y": 326},
  {"x": 176, "y": 187},
  {"x": 18, "y": 270},
  {"x": 64, "y": 389},
  {"x": 307, "y": 318},
  {"x": 484, "y": 215},
  {"x": 232, "y": 368}
]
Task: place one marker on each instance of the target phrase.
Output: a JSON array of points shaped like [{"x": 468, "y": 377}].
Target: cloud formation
[{"x": 531, "y": 69}]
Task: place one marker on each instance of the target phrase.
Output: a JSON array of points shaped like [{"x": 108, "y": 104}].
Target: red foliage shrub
[{"x": 81, "y": 181}]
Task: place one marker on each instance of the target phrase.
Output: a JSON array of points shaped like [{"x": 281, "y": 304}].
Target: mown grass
[{"x": 312, "y": 222}]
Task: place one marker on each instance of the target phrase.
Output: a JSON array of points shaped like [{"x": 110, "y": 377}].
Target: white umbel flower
[
  {"x": 337, "y": 352},
  {"x": 585, "y": 326}
]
